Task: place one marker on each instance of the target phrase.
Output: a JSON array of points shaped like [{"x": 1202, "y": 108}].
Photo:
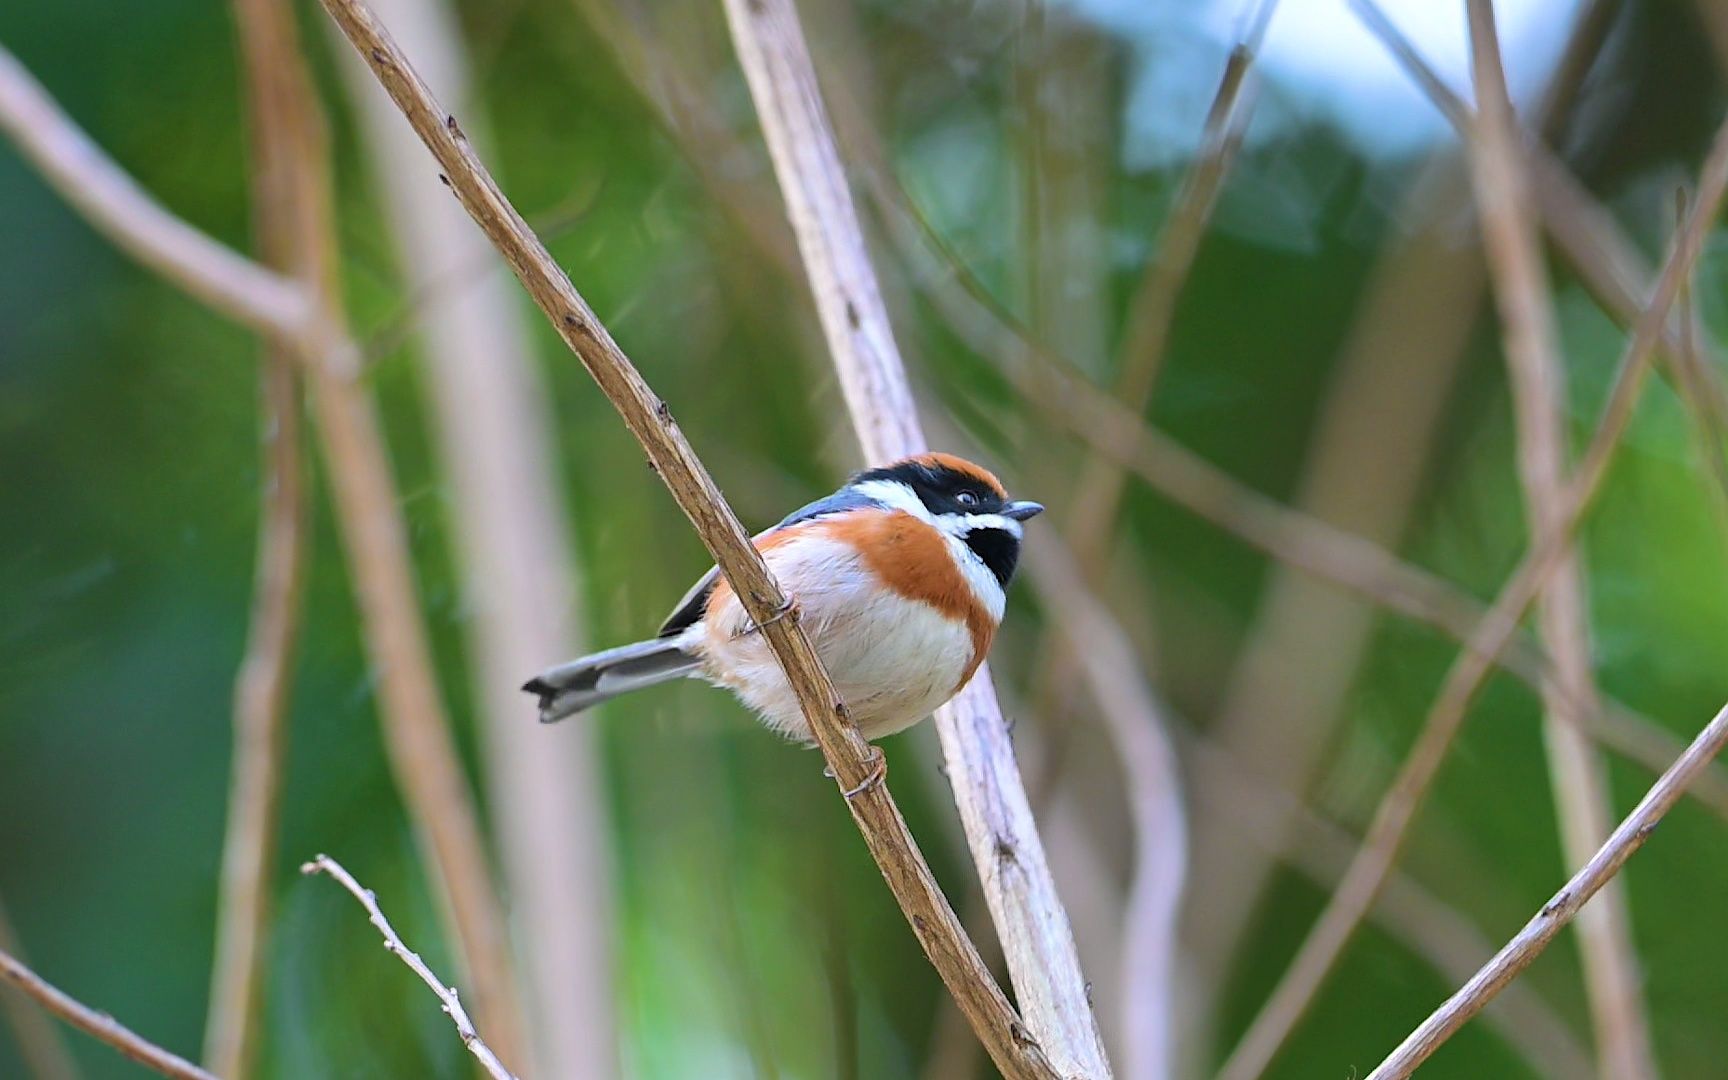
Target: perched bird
[{"x": 898, "y": 578}]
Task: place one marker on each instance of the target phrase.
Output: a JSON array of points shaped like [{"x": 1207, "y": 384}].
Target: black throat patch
[{"x": 998, "y": 548}]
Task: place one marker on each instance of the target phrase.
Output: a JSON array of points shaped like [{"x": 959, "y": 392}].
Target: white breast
[{"x": 893, "y": 660}]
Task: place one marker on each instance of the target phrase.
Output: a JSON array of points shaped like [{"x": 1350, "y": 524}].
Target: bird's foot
[{"x": 786, "y": 608}]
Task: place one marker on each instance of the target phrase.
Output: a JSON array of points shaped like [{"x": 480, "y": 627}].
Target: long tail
[{"x": 569, "y": 688}]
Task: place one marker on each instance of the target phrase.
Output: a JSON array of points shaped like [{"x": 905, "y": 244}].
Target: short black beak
[{"x": 1020, "y": 511}]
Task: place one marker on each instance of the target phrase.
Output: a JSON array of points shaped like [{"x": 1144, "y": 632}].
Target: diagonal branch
[
  {"x": 97, "y": 1024},
  {"x": 850, "y": 758},
  {"x": 1037, "y": 941},
  {"x": 1528, "y": 944},
  {"x": 1392, "y": 818},
  {"x": 1580, "y": 785},
  {"x": 447, "y": 997}
]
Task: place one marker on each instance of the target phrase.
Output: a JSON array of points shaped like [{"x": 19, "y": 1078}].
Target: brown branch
[
  {"x": 44, "y": 1053},
  {"x": 262, "y": 687},
  {"x": 1392, "y": 818},
  {"x": 1612, "y": 973},
  {"x": 850, "y": 758},
  {"x": 97, "y": 1024},
  {"x": 1529, "y": 942},
  {"x": 493, "y": 434},
  {"x": 417, "y": 735},
  {"x": 1037, "y": 941},
  {"x": 447, "y": 997},
  {"x": 115, "y": 204}
]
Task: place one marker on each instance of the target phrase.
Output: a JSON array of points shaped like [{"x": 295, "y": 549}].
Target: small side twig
[
  {"x": 97, "y": 1024},
  {"x": 1560, "y": 910},
  {"x": 447, "y": 997},
  {"x": 45, "y": 1054}
]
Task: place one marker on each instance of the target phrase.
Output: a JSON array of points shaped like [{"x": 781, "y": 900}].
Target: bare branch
[
  {"x": 1529, "y": 942},
  {"x": 86, "y": 177},
  {"x": 44, "y": 1053},
  {"x": 851, "y": 759},
  {"x": 1392, "y": 818},
  {"x": 994, "y": 811},
  {"x": 97, "y": 1024},
  {"x": 447, "y": 997}
]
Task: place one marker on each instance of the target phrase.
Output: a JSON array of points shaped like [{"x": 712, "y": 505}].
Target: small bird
[{"x": 899, "y": 579}]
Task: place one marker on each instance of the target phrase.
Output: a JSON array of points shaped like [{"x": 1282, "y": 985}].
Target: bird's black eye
[{"x": 967, "y": 498}]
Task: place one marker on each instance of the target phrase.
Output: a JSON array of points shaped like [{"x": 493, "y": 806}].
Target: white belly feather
[{"x": 893, "y": 660}]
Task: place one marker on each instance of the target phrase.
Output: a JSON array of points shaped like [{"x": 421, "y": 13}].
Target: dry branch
[
  {"x": 113, "y": 201},
  {"x": 1037, "y": 941},
  {"x": 852, "y": 760},
  {"x": 1612, "y": 975},
  {"x": 40, "y": 1047},
  {"x": 1392, "y": 818},
  {"x": 97, "y": 1024},
  {"x": 422, "y": 754},
  {"x": 261, "y": 690},
  {"x": 1529, "y": 942},
  {"x": 447, "y": 997}
]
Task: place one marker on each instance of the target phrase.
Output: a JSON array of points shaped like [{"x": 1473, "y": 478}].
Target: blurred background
[{"x": 1018, "y": 164}]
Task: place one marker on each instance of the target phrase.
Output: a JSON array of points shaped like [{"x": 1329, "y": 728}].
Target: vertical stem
[{"x": 1579, "y": 779}]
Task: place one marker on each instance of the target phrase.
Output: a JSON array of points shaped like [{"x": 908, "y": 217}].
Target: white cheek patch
[
  {"x": 961, "y": 524},
  {"x": 896, "y": 496}
]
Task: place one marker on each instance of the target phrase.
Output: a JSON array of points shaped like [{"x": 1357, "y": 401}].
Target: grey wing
[{"x": 694, "y": 603}]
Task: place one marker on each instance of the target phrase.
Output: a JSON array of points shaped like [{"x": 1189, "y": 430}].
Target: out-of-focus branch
[
  {"x": 1392, "y": 818},
  {"x": 1152, "y": 306},
  {"x": 1149, "y": 994},
  {"x": 1529, "y": 942},
  {"x": 97, "y": 1024},
  {"x": 1029, "y": 918},
  {"x": 447, "y": 997},
  {"x": 39, "y": 1044},
  {"x": 1612, "y": 974},
  {"x": 1267, "y": 815},
  {"x": 268, "y": 44},
  {"x": 114, "y": 203},
  {"x": 1607, "y": 263},
  {"x": 494, "y": 436},
  {"x": 423, "y": 757},
  {"x": 854, "y": 762}
]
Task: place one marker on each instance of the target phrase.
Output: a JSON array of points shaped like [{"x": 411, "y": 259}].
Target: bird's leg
[
  {"x": 878, "y": 773},
  {"x": 786, "y": 608}
]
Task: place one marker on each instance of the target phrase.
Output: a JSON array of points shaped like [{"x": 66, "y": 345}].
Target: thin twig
[
  {"x": 1392, "y": 818},
  {"x": 113, "y": 201},
  {"x": 1038, "y": 943},
  {"x": 97, "y": 1024},
  {"x": 1529, "y": 942},
  {"x": 494, "y": 437},
  {"x": 850, "y": 758},
  {"x": 447, "y": 996},
  {"x": 261, "y": 690},
  {"x": 40, "y": 1046},
  {"x": 417, "y": 732}
]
